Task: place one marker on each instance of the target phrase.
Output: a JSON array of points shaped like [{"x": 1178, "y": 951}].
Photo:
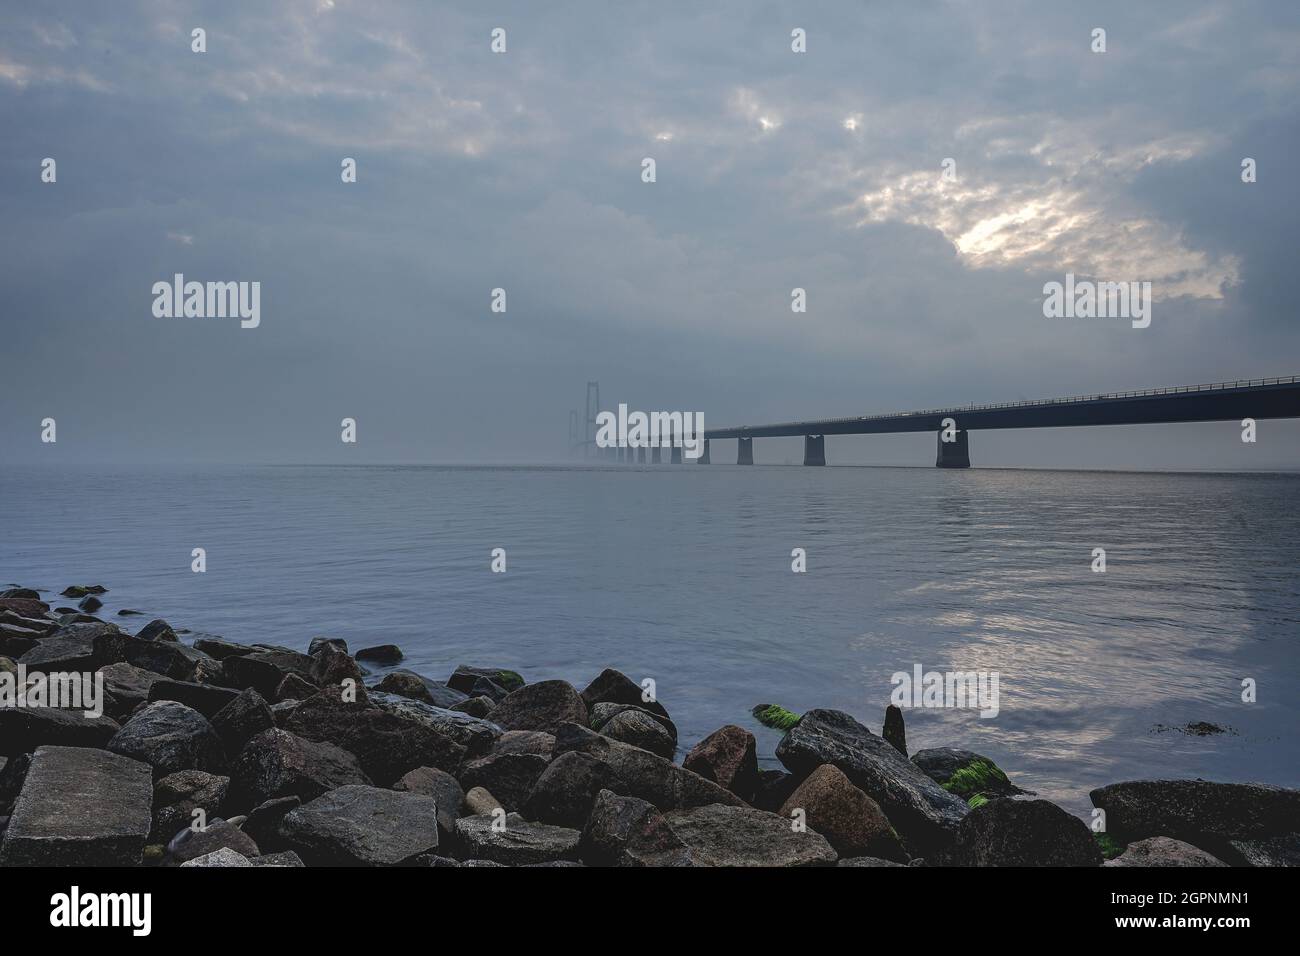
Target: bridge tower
[
  {"x": 744, "y": 451},
  {"x": 953, "y": 454},
  {"x": 814, "y": 449}
]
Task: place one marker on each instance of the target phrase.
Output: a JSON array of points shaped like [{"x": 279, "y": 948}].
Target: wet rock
[
  {"x": 264, "y": 670},
  {"x": 17, "y": 641},
  {"x": 26, "y": 594},
  {"x": 643, "y": 774},
  {"x": 615, "y": 687},
  {"x": 742, "y": 836},
  {"x": 923, "y": 813},
  {"x": 1163, "y": 851},
  {"x": 294, "y": 687},
  {"x": 464, "y": 678},
  {"x": 126, "y": 687},
  {"x": 602, "y": 713},
  {"x": 774, "y": 789},
  {"x": 174, "y": 660},
  {"x": 639, "y": 729},
  {"x": 445, "y": 790},
  {"x": 385, "y": 654},
  {"x": 277, "y": 763},
  {"x": 509, "y": 777},
  {"x": 242, "y": 719},
  {"x": 728, "y": 758},
  {"x": 223, "y": 858},
  {"x": 23, "y": 729},
  {"x": 386, "y": 744},
  {"x": 207, "y": 699},
  {"x": 525, "y": 742},
  {"x": 283, "y": 710},
  {"x": 628, "y": 831},
  {"x": 41, "y": 625},
  {"x": 90, "y": 604},
  {"x": 194, "y": 842},
  {"x": 1271, "y": 851},
  {"x": 219, "y": 649},
  {"x": 474, "y": 706},
  {"x": 81, "y": 590},
  {"x": 541, "y": 706},
  {"x": 80, "y": 807},
  {"x": 894, "y": 733},
  {"x": 1020, "y": 832},
  {"x": 480, "y": 801},
  {"x": 319, "y": 643},
  {"x": 130, "y": 612},
  {"x": 176, "y": 797},
  {"x": 72, "y": 648},
  {"x": 26, "y": 607},
  {"x": 263, "y": 823},
  {"x": 567, "y": 789},
  {"x": 849, "y": 819},
  {"x": 413, "y": 686},
  {"x": 519, "y": 843},
  {"x": 1204, "y": 814},
  {"x": 169, "y": 737},
  {"x": 473, "y": 733},
  {"x": 362, "y": 826},
  {"x": 333, "y": 666},
  {"x": 965, "y": 773},
  {"x": 157, "y": 630}
]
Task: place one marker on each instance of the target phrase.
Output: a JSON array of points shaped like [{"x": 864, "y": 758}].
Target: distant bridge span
[{"x": 1222, "y": 401}]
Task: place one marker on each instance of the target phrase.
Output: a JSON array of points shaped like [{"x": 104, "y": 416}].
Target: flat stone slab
[
  {"x": 519, "y": 843},
  {"x": 719, "y": 835},
  {"x": 358, "y": 825},
  {"x": 80, "y": 807}
]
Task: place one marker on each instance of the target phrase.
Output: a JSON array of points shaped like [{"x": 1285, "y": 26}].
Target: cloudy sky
[{"x": 522, "y": 170}]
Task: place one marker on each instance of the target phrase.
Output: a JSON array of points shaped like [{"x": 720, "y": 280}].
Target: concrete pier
[
  {"x": 744, "y": 451},
  {"x": 953, "y": 454},
  {"x": 704, "y": 455},
  {"x": 814, "y": 449}
]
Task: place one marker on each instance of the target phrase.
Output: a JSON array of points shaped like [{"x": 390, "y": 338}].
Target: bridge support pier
[
  {"x": 744, "y": 451},
  {"x": 954, "y": 454},
  {"x": 640, "y": 455},
  {"x": 622, "y": 454},
  {"x": 676, "y": 458},
  {"x": 655, "y": 457},
  {"x": 814, "y": 449},
  {"x": 704, "y": 455}
]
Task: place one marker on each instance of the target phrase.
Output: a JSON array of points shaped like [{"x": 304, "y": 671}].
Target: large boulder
[
  {"x": 23, "y": 729},
  {"x": 1272, "y": 851},
  {"x": 638, "y": 728},
  {"x": 728, "y": 757},
  {"x": 629, "y": 831},
  {"x": 169, "y": 737},
  {"x": 965, "y": 773},
  {"x": 508, "y": 777},
  {"x": 518, "y": 843},
  {"x": 207, "y": 699},
  {"x": 362, "y": 826},
  {"x": 475, "y": 734},
  {"x": 168, "y": 658},
  {"x": 849, "y": 819},
  {"x": 643, "y": 774},
  {"x": 157, "y": 630},
  {"x": 80, "y": 807},
  {"x": 176, "y": 797},
  {"x": 242, "y": 719},
  {"x": 567, "y": 789},
  {"x": 332, "y": 665},
  {"x": 77, "y": 647},
  {"x": 383, "y": 654},
  {"x": 925, "y": 815},
  {"x": 1204, "y": 814},
  {"x": 525, "y": 742},
  {"x": 465, "y": 678},
  {"x": 126, "y": 687},
  {"x": 195, "y": 841},
  {"x": 720, "y": 835},
  {"x": 24, "y": 606},
  {"x": 1020, "y": 832},
  {"x": 541, "y": 706},
  {"x": 386, "y": 743},
  {"x": 445, "y": 790},
  {"x": 264, "y": 669},
  {"x": 1163, "y": 851},
  {"x": 615, "y": 687},
  {"x": 277, "y": 763}
]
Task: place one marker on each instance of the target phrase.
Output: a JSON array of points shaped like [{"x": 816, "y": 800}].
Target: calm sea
[{"x": 684, "y": 575}]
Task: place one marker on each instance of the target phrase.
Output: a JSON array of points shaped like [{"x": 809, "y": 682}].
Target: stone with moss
[
  {"x": 965, "y": 773},
  {"x": 977, "y": 801},
  {"x": 775, "y": 716},
  {"x": 1110, "y": 847}
]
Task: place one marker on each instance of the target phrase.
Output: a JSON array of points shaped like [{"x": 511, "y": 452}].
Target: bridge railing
[{"x": 1140, "y": 393}]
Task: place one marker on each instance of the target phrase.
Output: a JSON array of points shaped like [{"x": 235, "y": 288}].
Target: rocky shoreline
[{"x": 215, "y": 753}]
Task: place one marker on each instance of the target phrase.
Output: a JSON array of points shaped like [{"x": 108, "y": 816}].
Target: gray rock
[
  {"x": 643, "y": 774},
  {"x": 478, "y": 800},
  {"x": 294, "y": 688},
  {"x": 277, "y": 763},
  {"x": 894, "y": 732},
  {"x": 475, "y": 706},
  {"x": 867, "y": 861},
  {"x": 1020, "y": 832},
  {"x": 23, "y": 729},
  {"x": 219, "y": 649},
  {"x": 333, "y": 666},
  {"x": 362, "y": 826},
  {"x": 126, "y": 687},
  {"x": 638, "y": 728},
  {"x": 157, "y": 630},
  {"x": 614, "y": 687},
  {"x": 242, "y": 719},
  {"x": 728, "y": 757},
  {"x": 319, "y": 643},
  {"x": 567, "y": 789},
  {"x": 542, "y": 706},
  {"x": 381, "y": 654},
  {"x": 464, "y": 678},
  {"x": 720, "y": 835},
  {"x": 222, "y": 858},
  {"x": 169, "y": 737},
  {"x": 629, "y": 831},
  {"x": 287, "y": 858},
  {"x": 473, "y": 733},
  {"x": 509, "y": 777},
  {"x": 924, "y": 814},
  {"x": 263, "y": 670},
  {"x": 445, "y": 790},
  {"x": 1163, "y": 851},
  {"x": 601, "y": 713},
  {"x": 193, "y": 842},
  {"x": 168, "y": 658},
  {"x": 263, "y": 823},
  {"x": 965, "y": 773},
  {"x": 90, "y": 604},
  {"x": 519, "y": 843},
  {"x": 80, "y": 807},
  {"x": 207, "y": 699},
  {"x": 1272, "y": 851},
  {"x": 176, "y": 797},
  {"x": 525, "y": 742}
]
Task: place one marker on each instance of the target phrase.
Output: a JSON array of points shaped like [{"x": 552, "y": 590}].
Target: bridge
[{"x": 1220, "y": 401}]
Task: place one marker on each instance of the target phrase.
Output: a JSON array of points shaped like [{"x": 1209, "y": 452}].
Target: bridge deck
[{"x": 1221, "y": 401}]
